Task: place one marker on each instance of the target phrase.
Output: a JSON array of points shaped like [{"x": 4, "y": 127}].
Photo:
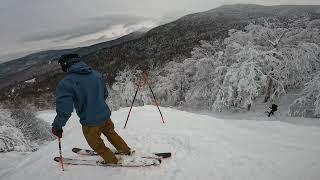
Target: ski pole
[
  {"x": 61, "y": 160},
  {"x": 155, "y": 100},
  {"x": 146, "y": 80},
  {"x": 134, "y": 98}
]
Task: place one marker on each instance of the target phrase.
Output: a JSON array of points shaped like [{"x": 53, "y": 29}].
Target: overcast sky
[{"x": 31, "y": 25}]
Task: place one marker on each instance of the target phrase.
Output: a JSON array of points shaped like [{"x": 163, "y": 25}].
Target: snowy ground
[{"x": 203, "y": 147}]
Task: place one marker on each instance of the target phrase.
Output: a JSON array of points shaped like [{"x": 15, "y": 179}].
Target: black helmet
[{"x": 67, "y": 60}]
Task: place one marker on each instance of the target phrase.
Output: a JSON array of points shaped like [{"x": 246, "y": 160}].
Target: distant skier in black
[{"x": 273, "y": 108}]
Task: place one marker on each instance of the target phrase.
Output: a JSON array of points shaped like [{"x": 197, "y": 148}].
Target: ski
[
  {"x": 126, "y": 162},
  {"x": 90, "y": 152}
]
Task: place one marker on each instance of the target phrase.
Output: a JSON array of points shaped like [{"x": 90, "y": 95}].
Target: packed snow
[{"x": 203, "y": 147}]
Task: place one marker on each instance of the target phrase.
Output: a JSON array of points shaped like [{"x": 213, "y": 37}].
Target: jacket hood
[{"x": 79, "y": 68}]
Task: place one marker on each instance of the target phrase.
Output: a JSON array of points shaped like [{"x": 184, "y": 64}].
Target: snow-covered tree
[
  {"x": 124, "y": 88},
  {"x": 266, "y": 59},
  {"x": 190, "y": 83},
  {"x": 205, "y": 82},
  {"x": 34, "y": 129},
  {"x": 278, "y": 64},
  {"x": 171, "y": 84},
  {"x": 244, "y": 79},
  {"x": 308, "y": 105},
  {"x": 11, "y": 137}
]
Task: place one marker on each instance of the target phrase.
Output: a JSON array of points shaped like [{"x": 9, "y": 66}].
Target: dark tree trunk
[{"x": 269, "y": 89}]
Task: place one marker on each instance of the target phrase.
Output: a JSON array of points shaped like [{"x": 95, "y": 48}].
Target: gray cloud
[
  {"x": 92, "y": 25},
  {"x": 275, "y": 2},
  {"x": 32, "y": 25}
]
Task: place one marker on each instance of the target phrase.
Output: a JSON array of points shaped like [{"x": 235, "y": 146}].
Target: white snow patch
[
  {"x": 9, "y": 160},
  {"x": 31, "y": 80},
  {"x": 46, "y": 115}
]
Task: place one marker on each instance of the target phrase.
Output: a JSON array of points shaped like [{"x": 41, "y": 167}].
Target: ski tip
[
  {"x": 163, "y": 155},
  {"x": 57, "y": 159},
  {"x": 76, "y": 150}
]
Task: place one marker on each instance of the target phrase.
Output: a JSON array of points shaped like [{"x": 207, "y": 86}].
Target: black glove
[{"x": 57, "y": 132}]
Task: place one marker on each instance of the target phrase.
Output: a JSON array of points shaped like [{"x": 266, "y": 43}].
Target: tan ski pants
[{"x": 93, "y": 137}]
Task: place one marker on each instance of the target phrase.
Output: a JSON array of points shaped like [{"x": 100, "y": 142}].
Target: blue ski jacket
[{"x": 84, "y": 89}]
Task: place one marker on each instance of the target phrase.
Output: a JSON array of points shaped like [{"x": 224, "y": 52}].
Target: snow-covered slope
[{"x": 203, "y": 147}]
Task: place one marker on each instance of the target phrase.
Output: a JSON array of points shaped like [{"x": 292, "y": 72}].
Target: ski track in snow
[{"x": 202, "y": 147}]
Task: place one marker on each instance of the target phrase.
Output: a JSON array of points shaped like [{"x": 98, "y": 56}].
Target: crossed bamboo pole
[{"x": 140, "y": 83}]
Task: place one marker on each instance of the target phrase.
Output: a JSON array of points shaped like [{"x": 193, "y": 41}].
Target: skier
[
  {"x": 84, "y": 89},
  {"x": 273, "y": 108}
]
